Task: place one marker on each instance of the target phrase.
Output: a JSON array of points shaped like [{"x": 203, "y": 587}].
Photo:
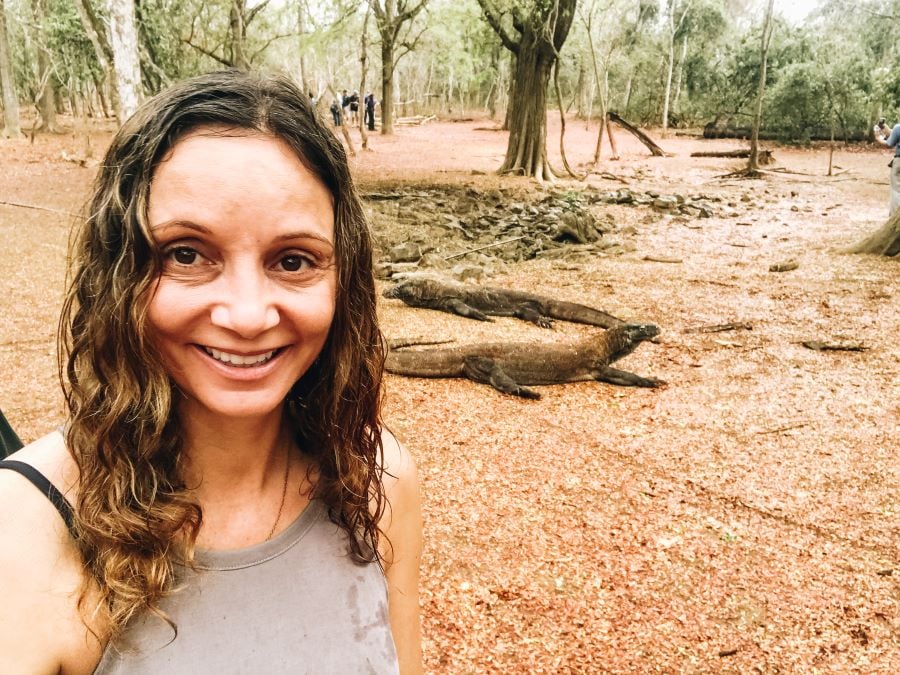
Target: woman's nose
[{"x": 247, "y": 307}]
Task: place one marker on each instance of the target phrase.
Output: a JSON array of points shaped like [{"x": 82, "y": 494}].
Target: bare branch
[{"x": 494, "y": 22}]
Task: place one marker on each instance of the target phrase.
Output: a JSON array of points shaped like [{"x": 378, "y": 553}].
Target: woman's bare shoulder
[
  {"x": 396, "y": 461},
  {"x": 40, "y": 626}
]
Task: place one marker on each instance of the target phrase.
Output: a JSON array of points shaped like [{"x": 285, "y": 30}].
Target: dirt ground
[{"x": 743, "y": 518}]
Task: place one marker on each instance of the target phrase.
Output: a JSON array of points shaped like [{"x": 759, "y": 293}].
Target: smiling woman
[{"x": 222, "y": 368}]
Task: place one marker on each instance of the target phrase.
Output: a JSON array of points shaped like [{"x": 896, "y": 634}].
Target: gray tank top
[{"x": 294, "y": 604}]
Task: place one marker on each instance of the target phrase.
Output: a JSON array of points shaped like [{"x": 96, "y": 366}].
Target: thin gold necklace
[{"x": 287, "y": 471}]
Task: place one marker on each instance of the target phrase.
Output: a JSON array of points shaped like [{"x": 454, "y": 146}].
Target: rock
[
  {"x": 405, "y": 253},
  {"x": 785, "y": 266},
  {"x": 653, "y": 193},
  {"x": 665, "y": 203},
  {"x": 467, "y": 272},
  {"x": 383, "y": 270},
  {"x": 577, "y": 226},
  {"x": 431, "y": 260},
  {"x": 624, "y": 196}
]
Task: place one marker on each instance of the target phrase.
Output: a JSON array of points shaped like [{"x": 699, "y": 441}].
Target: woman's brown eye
[
  {"x": 184, "y": 256},
  {"x": 292, "y": 263}
]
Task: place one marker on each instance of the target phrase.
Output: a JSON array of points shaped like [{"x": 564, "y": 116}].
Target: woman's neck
[{"x": 232, "y": 453}]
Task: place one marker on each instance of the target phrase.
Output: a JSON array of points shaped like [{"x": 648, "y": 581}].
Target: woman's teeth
[{"x": 238, "y": 360}]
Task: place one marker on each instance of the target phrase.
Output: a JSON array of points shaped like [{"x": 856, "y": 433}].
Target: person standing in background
[{"x": 893, "y": 141}]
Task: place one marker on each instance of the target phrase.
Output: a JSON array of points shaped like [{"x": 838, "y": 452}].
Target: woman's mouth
[{"x": 239, "y": 361}]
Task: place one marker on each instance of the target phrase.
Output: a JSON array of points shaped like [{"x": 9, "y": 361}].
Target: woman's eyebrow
[
  {"x": 187, "y": 224},
  {"x": 305, "y": 234}
]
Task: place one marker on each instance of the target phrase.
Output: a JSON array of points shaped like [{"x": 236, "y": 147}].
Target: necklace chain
[{"x": 287, "y": 470}]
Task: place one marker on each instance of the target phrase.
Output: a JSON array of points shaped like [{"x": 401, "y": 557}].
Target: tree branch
[
  {"x": 494, "y": 22},
  {"x": 253, "y": 12}
]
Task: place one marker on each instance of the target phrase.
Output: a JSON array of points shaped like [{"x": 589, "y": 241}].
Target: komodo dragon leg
[
  {"x": 624, "y": 378},
  {"x": 456, "y": 306},
  {"x": 528, "y": 313},
  {"x": 488, "y": 371}
]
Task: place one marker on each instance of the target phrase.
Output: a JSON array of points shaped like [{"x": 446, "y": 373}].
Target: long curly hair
[{"x": 135, "y": 518}]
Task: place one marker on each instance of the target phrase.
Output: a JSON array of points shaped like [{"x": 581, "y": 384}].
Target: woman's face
[{"x": 247, "y": 292}]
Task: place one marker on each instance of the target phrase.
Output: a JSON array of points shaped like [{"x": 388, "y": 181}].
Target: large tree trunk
[
  {"x": 885, "y": 241},
  {"x": 123, "y": 40},
  {"x": 526, "y": 153},
  {"x": 7, "y": 83}
]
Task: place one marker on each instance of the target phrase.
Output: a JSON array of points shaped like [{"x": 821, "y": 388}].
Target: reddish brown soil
[{"x": 745, "y": 518}]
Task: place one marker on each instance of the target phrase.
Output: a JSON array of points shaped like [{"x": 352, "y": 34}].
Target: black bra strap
[{"x": 40, "y": 481}]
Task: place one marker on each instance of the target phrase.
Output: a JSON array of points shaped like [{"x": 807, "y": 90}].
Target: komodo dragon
[
  {"x": 477, "y": 302},
  {"x": 509, "y": 366}
]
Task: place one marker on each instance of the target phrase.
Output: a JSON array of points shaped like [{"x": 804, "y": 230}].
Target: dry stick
[
  {"x": 481, "y": 248},
  {"x": 780, "y": 429},
  {"x": 39, "y": 208},
  {"x": 718, "y": 328}
]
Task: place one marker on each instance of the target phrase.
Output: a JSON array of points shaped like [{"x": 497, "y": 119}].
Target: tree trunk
[
  {"x": 753, "y": 162},
  {"x": 123, "y": 40},
  {"x": 46, "y": 97},
  {"x": 679, "y": 76},
  {"x": 237, "y": 34},
  {"x": 627, "y": 99},
  {"x": 8, "y": 83},
  {"x": 301, "y": 31},
  {"x": 669, "y": 70},
  {"x": 885, "y": 241},
  {"x": 511, "y": 93},
  {"x": 387, "y": 87},
  {"x": 96, "y": 33},
  {"x": 526, "y": 153},
  {"x": 363, "y": 60}
]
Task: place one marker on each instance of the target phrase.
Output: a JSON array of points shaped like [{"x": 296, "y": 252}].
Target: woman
[{"x": 236, "y": 505}]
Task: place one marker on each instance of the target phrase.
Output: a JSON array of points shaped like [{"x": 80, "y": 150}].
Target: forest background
[{"x": 661, "y": 62}]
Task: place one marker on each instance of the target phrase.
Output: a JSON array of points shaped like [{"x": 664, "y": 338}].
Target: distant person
[
  {"x": 336, "y": 111},
  {"x": 354, "y": 108},
  {"x": 370, "y": 111},
  {"x": 881, "y": 130},
  {"x": 345, "y": 104},
  {"x": 893, "y": 141}
]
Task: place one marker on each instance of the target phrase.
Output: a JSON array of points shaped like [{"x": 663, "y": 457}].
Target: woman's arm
[
  {"x": 402, "y": 552},
  {"x": 41, "y": 628}
]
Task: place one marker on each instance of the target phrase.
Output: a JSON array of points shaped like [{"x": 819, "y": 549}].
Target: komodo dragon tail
[{"x": 576, "y": 313}]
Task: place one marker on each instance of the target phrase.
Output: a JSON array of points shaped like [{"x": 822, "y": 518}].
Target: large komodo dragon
[
  {"x": 477, "y": 302},
  {"x": 510, "y": 367}
]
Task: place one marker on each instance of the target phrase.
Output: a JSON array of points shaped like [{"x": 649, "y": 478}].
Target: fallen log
[
  {"x": 763, "y": 157},
  {"x": 655, "y": 150}
]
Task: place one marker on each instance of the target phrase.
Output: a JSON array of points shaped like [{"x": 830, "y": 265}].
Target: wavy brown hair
[{"x": 135, "y": 518}]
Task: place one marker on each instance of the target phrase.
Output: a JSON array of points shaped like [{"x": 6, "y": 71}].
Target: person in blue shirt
[{"x": 893, "y": 141}]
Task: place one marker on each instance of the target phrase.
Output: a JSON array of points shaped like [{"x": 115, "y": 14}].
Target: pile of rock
[{"x": 466, "y": 233}]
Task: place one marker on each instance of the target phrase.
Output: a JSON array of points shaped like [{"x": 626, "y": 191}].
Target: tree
[
  {"x": 675, "y": 16},
  {"x": 884, "y": 241},
  {"x": 753, "y": 162},
  {"x": 390, "y": 18},
  {"x": 123, "y": 40},
  {"x": 45, "y": 97},
  {"x": 542, "y": 28},
  {"x": 7, "y": 82}
]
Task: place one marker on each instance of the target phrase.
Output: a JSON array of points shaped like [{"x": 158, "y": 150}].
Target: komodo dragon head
[
  {"x": 623, "y": 340},
  {"x": 409, "y": 291}
]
